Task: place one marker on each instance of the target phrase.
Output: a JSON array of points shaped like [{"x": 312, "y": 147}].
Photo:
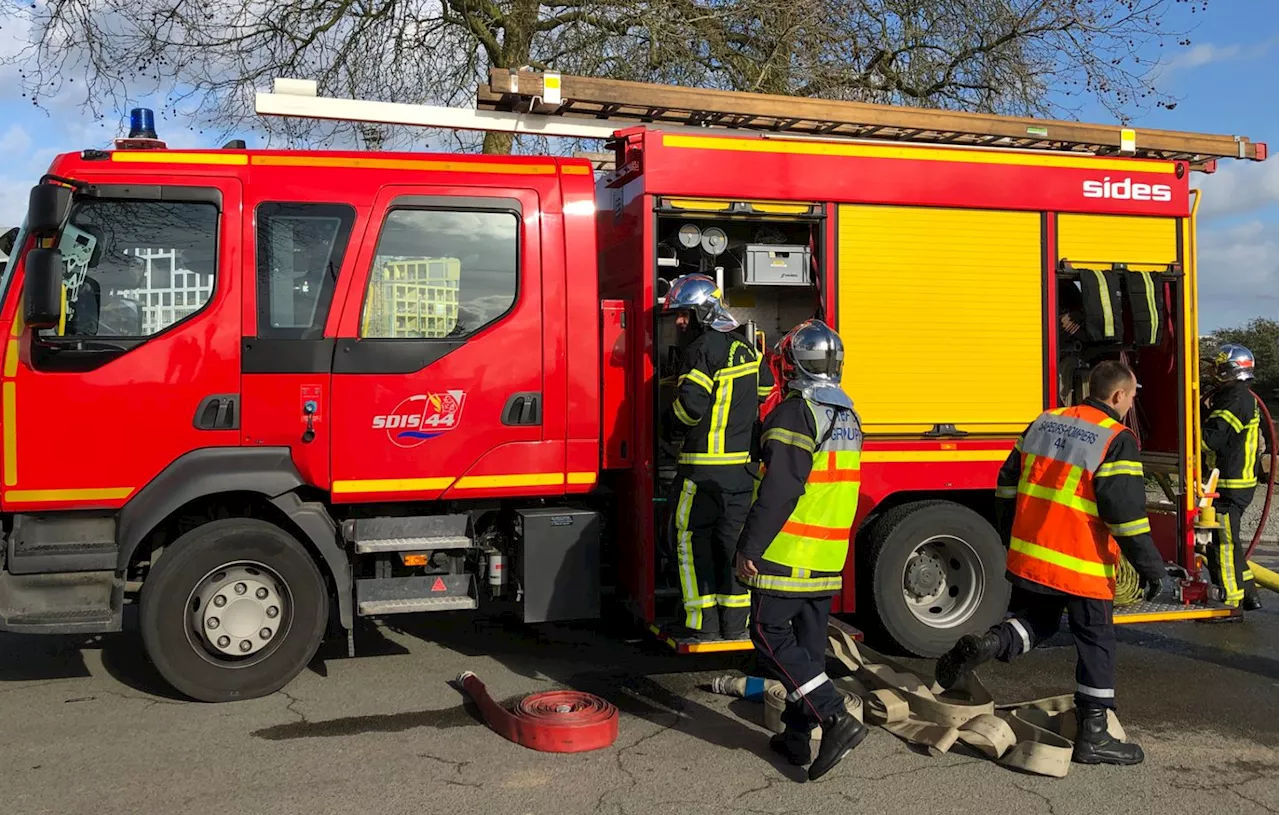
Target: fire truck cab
[{"x": 261, "y": 393}]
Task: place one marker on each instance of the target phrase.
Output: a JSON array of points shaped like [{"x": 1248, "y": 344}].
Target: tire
[
  {"x": 911, "y": 549},
  {"x": 223, "y": 558}
]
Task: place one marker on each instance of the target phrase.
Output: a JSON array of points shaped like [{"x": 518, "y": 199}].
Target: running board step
[
  {"x": 408, "y": 595},
  {"x": 56, "y": 544},
  {"x": 412, "y": 534},
  {"x": 1164, "y": 611},
  {"x": 69, "y": 603}
]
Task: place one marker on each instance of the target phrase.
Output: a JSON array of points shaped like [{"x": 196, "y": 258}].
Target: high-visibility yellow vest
[{"x": 816, "y": 535}]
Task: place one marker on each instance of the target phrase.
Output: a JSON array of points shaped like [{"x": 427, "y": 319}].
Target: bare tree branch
[{"x": 207, "y": 57}]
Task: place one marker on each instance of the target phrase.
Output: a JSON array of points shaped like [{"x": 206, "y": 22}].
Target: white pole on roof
[{"x": 297, "y": 97}]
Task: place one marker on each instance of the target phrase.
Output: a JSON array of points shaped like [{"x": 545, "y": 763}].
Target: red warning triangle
[{"x": 438, "y": 585}]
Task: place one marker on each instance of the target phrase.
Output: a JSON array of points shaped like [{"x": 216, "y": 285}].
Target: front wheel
[
  {"x": 234, "y": 609},
  {"x": 936, "y": 572}
]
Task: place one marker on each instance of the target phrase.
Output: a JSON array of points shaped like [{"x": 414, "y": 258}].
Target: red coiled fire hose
[{"x": 560, "y": 721}]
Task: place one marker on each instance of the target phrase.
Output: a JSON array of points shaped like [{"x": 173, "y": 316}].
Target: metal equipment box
[
  {"x": 765, "y": 264},
  {"x": 558, "y": 563}
]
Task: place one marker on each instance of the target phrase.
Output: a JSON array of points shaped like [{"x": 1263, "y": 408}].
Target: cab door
[
  {"x": 298, "y": 255},
  {"x": 146, "y": 367},
  {"x": 438, "y": 374}
]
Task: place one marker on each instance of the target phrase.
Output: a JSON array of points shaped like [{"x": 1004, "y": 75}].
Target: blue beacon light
[{"x": 142, "y": 124}]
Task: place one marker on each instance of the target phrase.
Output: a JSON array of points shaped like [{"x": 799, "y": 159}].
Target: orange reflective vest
[{"x": 1058, "y": 540}]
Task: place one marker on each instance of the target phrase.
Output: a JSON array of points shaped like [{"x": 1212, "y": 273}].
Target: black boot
[
  {"x": 1251, "y": 602},
  {"x": 840, "y": 734},
  {"x": 733, "y": 624},
  {"x": 697, "y": 635},
  {"x": 1094, "y": 745},
  {"x": 793, "y": 745},
  {"x": 971, "y": 651}
]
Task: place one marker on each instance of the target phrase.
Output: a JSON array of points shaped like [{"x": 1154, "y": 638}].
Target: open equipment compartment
[
  {"x": 1139, "y": 262},
  {"x": 768, "y": 259}
]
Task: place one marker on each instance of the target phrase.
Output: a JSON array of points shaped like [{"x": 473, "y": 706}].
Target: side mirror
[
  {"x": 47, "y": 209},
  {"x": 42, "y": 292}
]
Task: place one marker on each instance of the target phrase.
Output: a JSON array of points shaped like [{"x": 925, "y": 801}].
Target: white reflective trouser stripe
[
  {"x": 1017, "y": 625},
  {"x": 1096, "y": 693},
  {"x": 816, "y": 682}
]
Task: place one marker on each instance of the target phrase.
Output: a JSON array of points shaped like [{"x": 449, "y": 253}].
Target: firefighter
[
  {"x": 1078, "y": 499},
  {"x": 1230, "y": 435},
  {"x": 793, "y": 545},
  {"x": 715, "y": 412}
]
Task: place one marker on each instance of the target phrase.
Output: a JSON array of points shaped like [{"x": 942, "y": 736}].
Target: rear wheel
[
  {"x": 234, "y": 609},
  {"x": 935, "y": 571}
]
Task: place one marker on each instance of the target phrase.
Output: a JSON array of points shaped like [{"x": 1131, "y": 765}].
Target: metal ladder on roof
[{"x": 650, "y": 104}]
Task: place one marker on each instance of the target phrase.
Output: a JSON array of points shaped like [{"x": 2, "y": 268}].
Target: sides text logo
[{"x": 1127, "y": 190}]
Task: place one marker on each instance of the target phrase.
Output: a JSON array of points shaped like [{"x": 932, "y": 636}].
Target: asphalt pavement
[{"x": 86, "y": 726}]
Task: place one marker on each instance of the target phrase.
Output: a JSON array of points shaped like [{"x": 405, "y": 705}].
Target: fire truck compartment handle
[
  {"x": 523, "y": 409},
  {"x": 219, "y": 412}
]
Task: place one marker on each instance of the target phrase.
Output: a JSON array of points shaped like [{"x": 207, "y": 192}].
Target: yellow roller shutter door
[
  {"x": 1097, "y": 241},
  {"x": 941, "y": 311}
]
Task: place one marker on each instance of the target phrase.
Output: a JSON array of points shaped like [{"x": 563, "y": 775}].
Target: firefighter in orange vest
[
  {"x": 793, "y": 546},
  {"x": 1076, "y": 488}
]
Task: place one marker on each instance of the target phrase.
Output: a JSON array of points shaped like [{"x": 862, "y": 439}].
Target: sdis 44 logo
[{"x": 422, "y": 416}]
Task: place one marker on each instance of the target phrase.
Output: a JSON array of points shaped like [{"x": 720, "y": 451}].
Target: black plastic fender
[
  {"x": 268, "y": 471},
  {"x": 316, "y": 523}
]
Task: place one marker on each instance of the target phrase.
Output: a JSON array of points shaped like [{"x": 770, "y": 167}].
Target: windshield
[{"x": 19, "y": 248}]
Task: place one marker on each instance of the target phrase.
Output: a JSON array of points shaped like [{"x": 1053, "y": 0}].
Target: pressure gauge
[
  {"x": 690, "y": 236},
  {"x": 714, "y": 241}
]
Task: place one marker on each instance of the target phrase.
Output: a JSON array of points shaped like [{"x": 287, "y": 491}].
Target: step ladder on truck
[{"x": 357, "y": 384}]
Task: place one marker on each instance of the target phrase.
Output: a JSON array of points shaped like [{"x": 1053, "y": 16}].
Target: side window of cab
[
  {"x": 441, "y": 274},
  {"x": 301, "y": 247}
]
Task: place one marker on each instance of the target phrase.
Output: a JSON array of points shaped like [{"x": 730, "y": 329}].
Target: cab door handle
[
  {"x": 523, "y": 409},
  {"x": 220, "y": 412}
]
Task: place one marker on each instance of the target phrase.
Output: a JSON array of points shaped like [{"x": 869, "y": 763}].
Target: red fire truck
[{"x": 333, "y": 385}]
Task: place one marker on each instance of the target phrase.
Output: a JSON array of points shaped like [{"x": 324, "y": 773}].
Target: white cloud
[
  {"x": 13, "y": 201},
  {"x": 1239, "y": 273},
  {"x": 1239, "y": 187},
  {"x": 15, "y": 141},
  {"x": 1202, "y": 54},
  {"x": 16, "y": 178}
]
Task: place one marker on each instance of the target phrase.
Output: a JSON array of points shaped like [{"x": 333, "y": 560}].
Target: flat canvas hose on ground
[{"x": 1034, "y": 737}]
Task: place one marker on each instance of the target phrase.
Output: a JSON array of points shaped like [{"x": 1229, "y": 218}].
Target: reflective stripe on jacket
[
  {"x": 717, "y": 401},
  {"x": 1058, "y": 538}
]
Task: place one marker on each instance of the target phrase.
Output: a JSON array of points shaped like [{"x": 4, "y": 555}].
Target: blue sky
[{"x": 1226, "y": 82}]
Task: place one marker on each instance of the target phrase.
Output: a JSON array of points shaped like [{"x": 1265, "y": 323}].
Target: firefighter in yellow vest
[
  {"x": 1230, "y": 436},
  {"x": 792, "y": 549},
  {"x": 1076, "y": 487}
]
